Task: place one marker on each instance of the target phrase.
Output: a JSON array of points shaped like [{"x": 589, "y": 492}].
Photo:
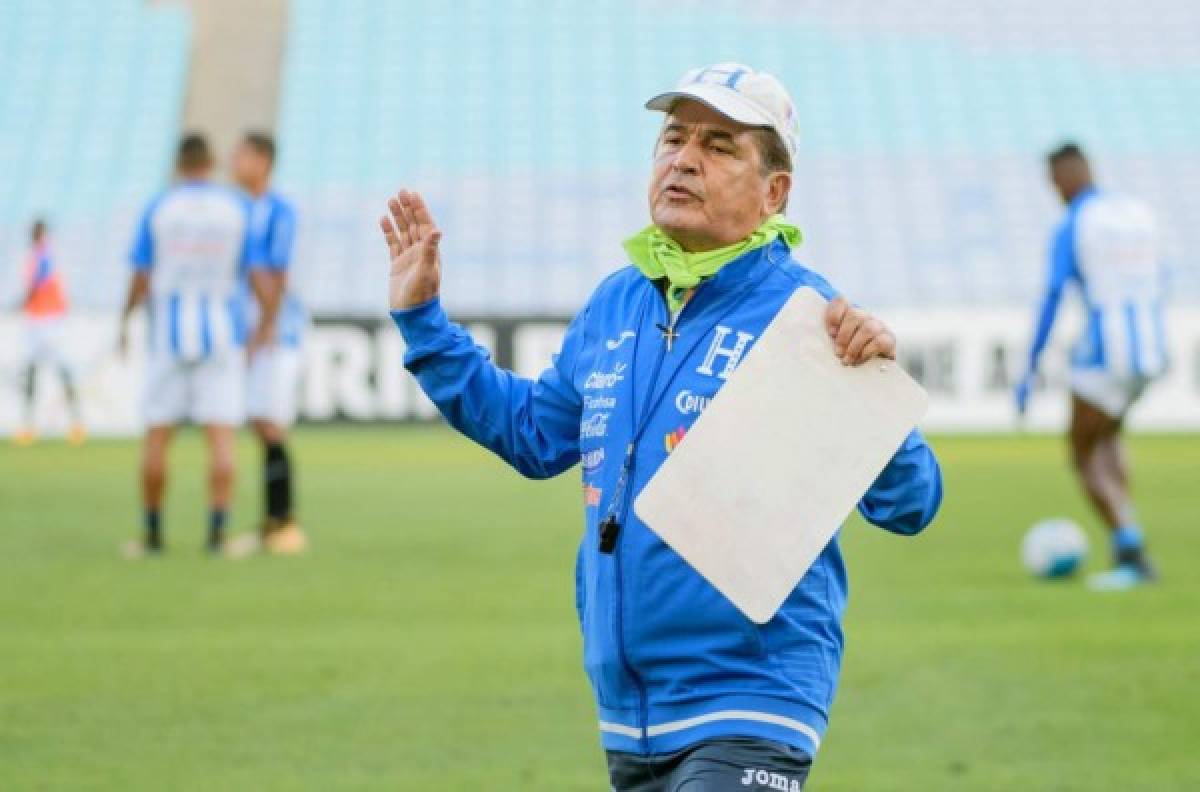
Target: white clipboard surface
[{"x": 779, "y": 458}]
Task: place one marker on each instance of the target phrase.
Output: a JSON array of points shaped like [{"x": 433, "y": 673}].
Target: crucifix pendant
[{"x": 669, "y": 335}]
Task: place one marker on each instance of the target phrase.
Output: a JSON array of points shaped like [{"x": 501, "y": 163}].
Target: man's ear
[{"x": 779, "y": 184}]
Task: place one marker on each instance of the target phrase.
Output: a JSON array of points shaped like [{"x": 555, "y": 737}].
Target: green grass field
[{"x": 428, "y": 642}]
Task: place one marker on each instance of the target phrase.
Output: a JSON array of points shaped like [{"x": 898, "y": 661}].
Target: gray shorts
[{"x": 719, "y": 765}]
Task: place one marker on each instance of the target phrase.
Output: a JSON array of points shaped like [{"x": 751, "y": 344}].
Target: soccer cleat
[
  {"x": 23, "y": 438},
  {"x": 76, "y": 435},
  {"x": 284, "y": 538},
  {"x": 1137, "y": 558},
  {"x": 1116, "y": 579},
  {"x": 1133, "y": 569},
  {"x": 138, "y": 549}
]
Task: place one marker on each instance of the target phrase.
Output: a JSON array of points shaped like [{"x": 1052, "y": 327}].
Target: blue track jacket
[{"x": 670, "y": 659}]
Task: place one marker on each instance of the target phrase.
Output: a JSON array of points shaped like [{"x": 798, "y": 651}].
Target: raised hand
[
  {"x": 857, "y": 336},
  {"x": 412, "y": 240}
]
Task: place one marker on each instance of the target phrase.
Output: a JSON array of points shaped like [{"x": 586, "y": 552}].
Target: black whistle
[{"x": 609, "y": 530}]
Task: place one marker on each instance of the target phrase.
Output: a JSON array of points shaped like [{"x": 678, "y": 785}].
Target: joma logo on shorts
[{"x": 769, "y": 780}]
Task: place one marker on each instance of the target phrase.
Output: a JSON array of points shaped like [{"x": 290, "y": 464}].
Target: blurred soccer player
[
  {"x": 272, "y": 379},
  {"x": 44, "y": 305},
  {"x": 1108, "y": 246},
  {"x": 192, "y": 247}
]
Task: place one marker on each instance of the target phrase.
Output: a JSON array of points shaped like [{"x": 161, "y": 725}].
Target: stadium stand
[
  {"x": 89, "y": 112},
  {"x": 234, "y": 43},
  {"x": 521, "y": 122}
]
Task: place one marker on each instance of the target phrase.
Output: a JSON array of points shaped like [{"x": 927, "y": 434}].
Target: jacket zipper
[{"x": 626, "y": 496}]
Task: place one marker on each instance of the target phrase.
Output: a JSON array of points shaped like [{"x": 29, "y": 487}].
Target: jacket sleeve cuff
[{"x": 422, "y": 323}]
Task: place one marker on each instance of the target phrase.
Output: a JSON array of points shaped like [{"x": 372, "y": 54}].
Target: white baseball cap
[{"x": 739, "y": 93}]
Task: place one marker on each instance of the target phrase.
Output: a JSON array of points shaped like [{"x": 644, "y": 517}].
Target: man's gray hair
[
  {"x": 774, "y": 155},
  {"x": 772, "y": 151}
]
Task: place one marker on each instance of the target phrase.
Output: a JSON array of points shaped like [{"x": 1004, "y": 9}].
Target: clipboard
[{"x": 784, "y": 452}]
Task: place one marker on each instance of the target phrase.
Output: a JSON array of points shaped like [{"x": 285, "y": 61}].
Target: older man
[{"x": 690, "y": 693}]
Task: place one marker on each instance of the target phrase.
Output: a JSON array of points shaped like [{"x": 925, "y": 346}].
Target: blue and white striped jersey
[
  {"x": 197, "y": 242},
  {"x": 1108, "y": 245},
  {"x": 274, "y": 221}
]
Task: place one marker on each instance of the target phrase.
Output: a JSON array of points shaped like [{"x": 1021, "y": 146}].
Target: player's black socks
[
  {"x": 216, "y": 529},
  {"x": 153, "y": 530},
  {"x": 277, "y": 471}
]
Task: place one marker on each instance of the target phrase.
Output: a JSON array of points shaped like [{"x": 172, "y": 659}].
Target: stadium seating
[
  {"x": 919, "y": 181},
  {"x": 920, "y": 177},
  {"x": 90, "y": 105}
]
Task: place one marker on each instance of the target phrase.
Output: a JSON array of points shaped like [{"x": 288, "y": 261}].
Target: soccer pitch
[{"x": 428, "y": 641}]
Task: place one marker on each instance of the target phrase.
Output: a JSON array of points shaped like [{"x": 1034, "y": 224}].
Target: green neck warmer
[{"x": 656, "y": 255}]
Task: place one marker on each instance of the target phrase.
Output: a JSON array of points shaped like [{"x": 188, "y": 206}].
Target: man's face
[
  {"x": 1070, "y": 177},
  {"x": 250, "y": 168},
  {"x": 707, "y": 189}
]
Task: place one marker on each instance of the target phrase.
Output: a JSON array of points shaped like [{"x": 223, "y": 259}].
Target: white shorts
[
  {"x": 271, "y": 385},
  {"x": 204, "y": 392},
  {"x": 44, "y": 341},
  {"x": 1112, "y": 394}
]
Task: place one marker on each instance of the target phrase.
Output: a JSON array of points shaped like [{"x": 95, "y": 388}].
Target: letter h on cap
[{"x": 715, "y": 74}]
